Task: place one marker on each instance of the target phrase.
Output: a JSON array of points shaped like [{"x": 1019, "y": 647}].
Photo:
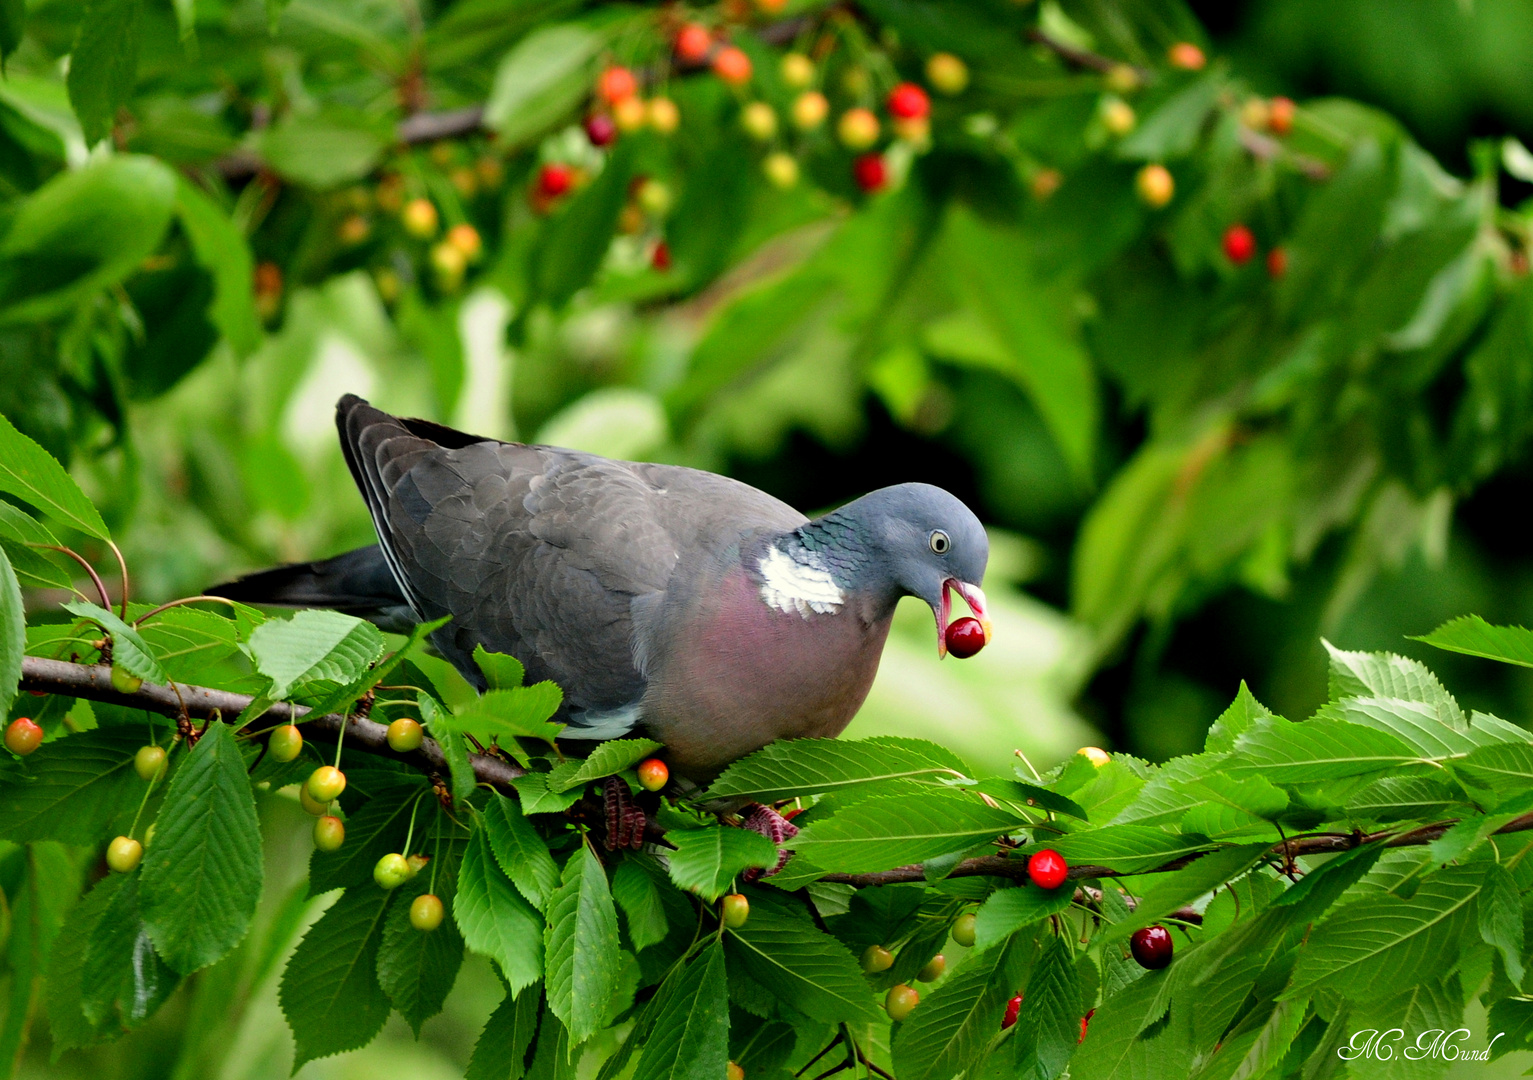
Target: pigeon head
[{"x": 919, "y": 541}]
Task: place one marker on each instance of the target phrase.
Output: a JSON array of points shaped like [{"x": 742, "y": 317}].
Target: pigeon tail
[{"x": 358, "y": 583}]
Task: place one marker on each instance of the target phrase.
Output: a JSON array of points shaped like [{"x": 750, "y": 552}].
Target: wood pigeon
[{"x": 662, "y": 599}]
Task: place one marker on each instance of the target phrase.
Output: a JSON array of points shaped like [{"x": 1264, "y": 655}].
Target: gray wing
[{"x": 550, "y": 555}]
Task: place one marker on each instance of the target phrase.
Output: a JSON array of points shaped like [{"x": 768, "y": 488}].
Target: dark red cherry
[
  {"x": 965, "y": 637},
  {"x": 1151, "y": 947}
]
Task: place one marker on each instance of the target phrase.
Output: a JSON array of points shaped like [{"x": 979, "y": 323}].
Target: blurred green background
[{"x": 1194, "y": 467}]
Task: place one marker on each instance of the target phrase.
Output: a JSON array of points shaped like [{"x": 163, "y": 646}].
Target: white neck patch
[{"x": 790, "y": 585}]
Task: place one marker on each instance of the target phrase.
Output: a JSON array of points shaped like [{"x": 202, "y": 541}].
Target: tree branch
[{"x": 94, "y": 683}]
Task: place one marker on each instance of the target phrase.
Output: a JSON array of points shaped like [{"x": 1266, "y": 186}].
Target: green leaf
[
  {"x": 1118, "y": 1045},
  {"x": 1385, "y": 675},
  {"x": 31, "y": 473},
  {"x": 418, "y": 968},
  {"x": 324, "y": 149},
  {"x": 1130, "y": 849},
  {"x": 608, "y": 759},
  {"x": 532, "y": 790},
  {"x": 706, "y": 861},
  {"x": 1173, "y": 129},
  {"x": 129, "y": 651},
  {"x": 1051, "y": 1021},
  {"x": 221, "y": 248},
  {"x": 123, "y": 980},
  {"x": 49, "y": 882},
  {"x": 1289, "y": 753},
  {"x": 791, "y": 767},
  {"x": 888, "y": 831},
  {"x": 1009, "y": 910},
  {"x": 639, "y": 897},
  {"x": 372, "y": 832},
  {"x": 501, "y": 1052},
  {"x": 575, "y": 241},
  {"x": 1473, "y": 636},
  {"x": 519, "y": 712},
  {"x": 520, "y": 851},
  {"x": 313, "y": 646},
  {"x": 581, "y": 945},
  {"x": 1383, "y": 944},
  {"x": 1243, "y": 712},
  {"x": 103, "y": 66},
  {"x": 454, "y": 747},
  {"x": 690, "y": 1036},
  {"x": 1505, "y": 768},
  {"x": 501, "y": 671},
  {"x": 1407, "y": 798},
  {"x": 13, "y": 19},
  {"x": 67, "y": 1023},
  {"x": 330, "y": 992},
  {"x": 953, "y": 1027},
  {"x": 35, "y": 568},
  {"x": 82, "y": 231},
  {"x": 1500, "y": 916},
  {"x": 13, "y": 634},
  {"x": 1187, "y": 884},
  {"x": 1032, "y": 795},
  {"x": 202, "y": 874},
  {"x": 495, "y": 920},
  {"x": 76, "y": 789},
  {"x": 783, "y": 951},
  {"x": 541, "y": 81}
]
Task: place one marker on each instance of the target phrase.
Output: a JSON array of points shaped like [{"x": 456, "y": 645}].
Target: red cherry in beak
[{"x": 965, "y": 637}]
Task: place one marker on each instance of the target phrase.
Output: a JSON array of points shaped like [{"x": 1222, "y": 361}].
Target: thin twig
[
  {"x": 122, "y": 564},
  {"x": 106, "y": 601}
]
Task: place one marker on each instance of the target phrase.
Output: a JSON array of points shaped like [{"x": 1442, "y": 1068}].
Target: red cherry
[
  {"x": 554, "y": 179},
  {"x": 615, "y": 84},
  {"x": 870, "y": 172},
  {"x": 600, "y": 129},
  {"x": 1151, "y": 947},
  {"x": 1013, "y": 1007},
  {"x": 1280, "y": 115},
  {"x": 732, "y": 65},
  {"x": 23, "y": 736},
  {"x": 653, "y": 774},
  {"x": 965, "y": 637},
  {"x": 1047, "y": 868},
  {"x": 908, "y": 102},
  {"x": 1239, "y": 244},
  {"x": 661, "y": 258},
  {"x": 1277, "y": 262},
  {"x": 692, "y": 43},
  {"x": 1084, "y": 1021}
]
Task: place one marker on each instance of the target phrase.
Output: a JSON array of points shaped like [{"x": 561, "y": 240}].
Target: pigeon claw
[
  {"x": 625, "y": 820},
  {"x": 776, "y": 828}
]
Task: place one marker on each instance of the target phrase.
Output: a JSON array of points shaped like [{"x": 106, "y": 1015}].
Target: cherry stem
[
  {"x": 146, "y": 616},
  {"x": 106, "y": 601},
  {"x": 122, "y": 565}
]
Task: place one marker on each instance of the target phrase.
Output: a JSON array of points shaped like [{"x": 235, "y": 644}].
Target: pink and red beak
[{"x": 972, "y": 595}]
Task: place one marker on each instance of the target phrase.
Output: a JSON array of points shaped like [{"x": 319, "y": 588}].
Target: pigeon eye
[{"x": 939, "y": 542}]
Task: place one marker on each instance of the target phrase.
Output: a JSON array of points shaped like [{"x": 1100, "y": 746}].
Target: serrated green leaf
[
  {"x": 312, "y": 646},
  {"x": 520, "y": 851},
  {"x": 1009, "y": 910},
  {"x": 123, "y": 980},
  {"x": 536, "y": 798},
  {"x": 372, "y": 832},
  {"x": 75, "y": 789},
  {"x": 1407, "y": 798},
  {"x": 198, "y": 647},
  {"x": 1186, "y": 885},
  {"x": 1289, "y": 753},
  {"x": 32, "y": 474},
  {"x": 454, "y": 747},
  {"x": 581, "y": 945},
  {"x": 1386, "y": 675},
  {"x": 34, "y": 566},
  {"x": 639, "y": 897},
  {"x": 706, "y": 861},
  {"x": 129, "y": 651},
  {"x": 418, "y": 968},
  {"x": 104, "y": 64},
  {"x": 202, "y": 874},
  {"x": 888, "y": 831},
  {"x": 1506, "y": 768},
  {"x": 520, "y": 712},
  {"x": 13, "y": 634},
  {"x": 1051, "y": 1021},
  {"x": 1125, "y": 1039},
  {"x": 608, "y": 759},
  {"x": 1500, "y": 919},
  {"x": 1130, "y": 849},
  {"x": 501, "y": 671},
  {"x": 67, "y": 1023},
  {"x": 1258, "y": 1043},
  {"x": 792, "y": 767},
  {"x": 494, "y": 918},
  {"x": 802, "y": 965},
  {"x": 330, "y": 992},
  {"x": 223, "y": 251},
  {"x": 690, "y": 1036},
  {"x": 1383, "y": 944},
  {"x": 1473, "y": 636},
  {"x": 501, "y": 1052},
  {"x": 1243, "y": 712},
  {"x": 953, "y": 1027}
]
